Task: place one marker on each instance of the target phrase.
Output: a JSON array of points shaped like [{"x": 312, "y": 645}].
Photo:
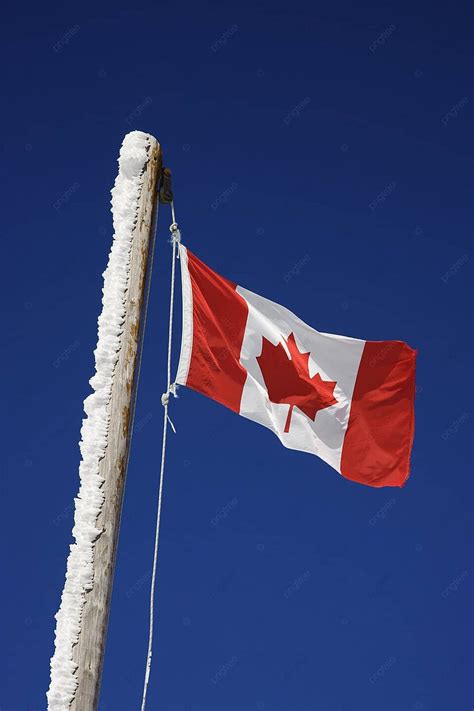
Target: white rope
[{"x": 170, "y": 390}]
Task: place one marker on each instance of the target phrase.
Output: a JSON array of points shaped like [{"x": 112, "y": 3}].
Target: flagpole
[{"x": 88, "y": 654}]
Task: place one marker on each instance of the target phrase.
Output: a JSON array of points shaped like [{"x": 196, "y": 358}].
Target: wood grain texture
[{"x": 88, "y": 654}]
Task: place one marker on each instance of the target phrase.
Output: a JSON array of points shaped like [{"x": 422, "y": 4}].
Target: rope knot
[
  {"x": 175, "y": 233},
  {"x": 165, "y": 398}
]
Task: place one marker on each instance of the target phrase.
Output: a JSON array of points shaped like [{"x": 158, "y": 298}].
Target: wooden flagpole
[{"x": 88, "y": 654}]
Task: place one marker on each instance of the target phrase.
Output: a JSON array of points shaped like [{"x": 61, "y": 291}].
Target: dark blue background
[{"x": 387, "y": 574}]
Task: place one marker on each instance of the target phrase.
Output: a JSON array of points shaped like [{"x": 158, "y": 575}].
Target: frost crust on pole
[{"x": 94, "y": 432}]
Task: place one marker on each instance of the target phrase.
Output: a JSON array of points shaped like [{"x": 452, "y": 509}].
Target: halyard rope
[{"x": 170, "y": 390}]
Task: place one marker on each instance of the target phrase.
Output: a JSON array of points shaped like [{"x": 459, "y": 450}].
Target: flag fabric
[{"x": 349, "y": 401}]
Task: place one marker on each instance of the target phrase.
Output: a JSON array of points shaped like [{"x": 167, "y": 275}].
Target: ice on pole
[{"x": 94, "y": 432}]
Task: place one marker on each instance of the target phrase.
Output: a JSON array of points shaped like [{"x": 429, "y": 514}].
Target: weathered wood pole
[{"x": 88, "y": 654}]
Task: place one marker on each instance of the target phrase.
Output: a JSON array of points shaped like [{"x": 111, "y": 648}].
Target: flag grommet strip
[{"x": 187, "y": 327}]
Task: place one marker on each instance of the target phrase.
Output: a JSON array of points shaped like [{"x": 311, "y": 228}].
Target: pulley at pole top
[{"x": 166, "y": 187}]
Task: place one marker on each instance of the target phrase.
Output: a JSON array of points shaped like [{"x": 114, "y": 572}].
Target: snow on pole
[{"x": 78, "y": 656}]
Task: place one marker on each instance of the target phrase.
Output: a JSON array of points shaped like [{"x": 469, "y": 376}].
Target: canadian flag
[{"x": 349, "y": 401}]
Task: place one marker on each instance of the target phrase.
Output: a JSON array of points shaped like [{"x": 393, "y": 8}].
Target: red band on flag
[
  {"x": 379, "y": 437},
  {"x": 219, "y": 319}
]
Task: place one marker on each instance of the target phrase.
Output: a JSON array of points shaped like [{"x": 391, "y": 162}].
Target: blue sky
[{"x": 342, "y": 138}]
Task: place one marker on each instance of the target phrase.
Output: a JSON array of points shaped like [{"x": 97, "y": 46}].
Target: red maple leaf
[{"x": 288, "y": 381}]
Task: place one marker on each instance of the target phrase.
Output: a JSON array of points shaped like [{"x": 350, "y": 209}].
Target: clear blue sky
[{"x": 344, "y": 136}]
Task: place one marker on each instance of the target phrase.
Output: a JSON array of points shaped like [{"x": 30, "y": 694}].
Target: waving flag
[{"x": 349, "y": 401}]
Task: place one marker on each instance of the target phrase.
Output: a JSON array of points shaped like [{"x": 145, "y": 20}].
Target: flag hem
[{"x": 187, "y": 327}]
